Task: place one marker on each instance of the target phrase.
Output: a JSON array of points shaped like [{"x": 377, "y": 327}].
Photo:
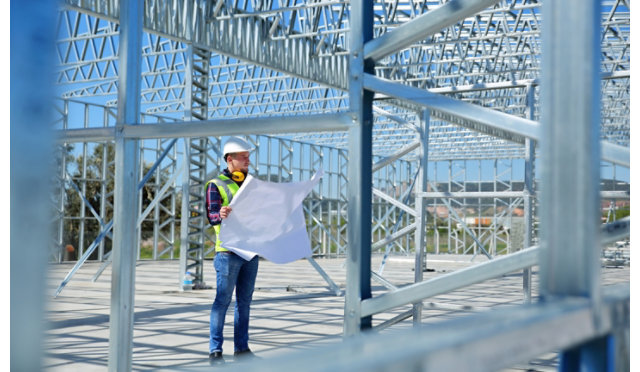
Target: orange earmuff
[{"x": 237, "y": 176}]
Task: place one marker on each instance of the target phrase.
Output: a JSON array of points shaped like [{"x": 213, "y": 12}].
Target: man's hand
[{"x": 224, "y": 212}]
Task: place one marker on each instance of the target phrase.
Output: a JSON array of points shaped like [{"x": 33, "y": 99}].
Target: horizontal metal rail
[
  {"x": 478, "y": 118},
  {"x": 452, "y": 281},
  {"x": 422, "y": 26},
  {"x": 205, "y": 128},
  {"x": 498, "y": 266},
  {"x": 471, "y": 194},
  {"x": 469, "y": 343}
]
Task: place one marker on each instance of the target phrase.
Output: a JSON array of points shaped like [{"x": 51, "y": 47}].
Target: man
[{"x": 232, "y": 271}]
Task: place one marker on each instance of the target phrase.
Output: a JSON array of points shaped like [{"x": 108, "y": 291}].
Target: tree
[{"x": 94, "y": 176}]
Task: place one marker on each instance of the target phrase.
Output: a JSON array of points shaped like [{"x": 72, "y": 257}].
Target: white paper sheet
[{"x": 267, "y": 220}]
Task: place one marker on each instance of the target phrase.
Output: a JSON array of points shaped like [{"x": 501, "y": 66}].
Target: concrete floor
[{"x": 293, "y": 309}]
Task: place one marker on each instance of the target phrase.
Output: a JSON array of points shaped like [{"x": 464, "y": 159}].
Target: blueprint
[{"x": 267, "y": 220}]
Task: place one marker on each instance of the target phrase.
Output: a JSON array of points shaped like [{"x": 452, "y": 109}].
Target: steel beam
[
  {"x": 242, "y": 37},
  {"x": 615, "y": 231},
  {"x": 393, "y": 237},
  {"x": 481, "y": 119},
  {"x": 522, "y": 83},
  {"x": 126, "y": 195},
  {"x": 423, "y": 26},
  {"x": 391, "y": 158},
  {"x": 466, "y": 344},
  {"x": 396, "y": 203},
  {"x": 474, "y": 117},
  {"x": 615, "y": 153},
  {"x": 452, "y": 281},
  {"x": 213, "y": 128},
  {"x": 332, "y": 285},
  {"x": 469, "y": 194}
]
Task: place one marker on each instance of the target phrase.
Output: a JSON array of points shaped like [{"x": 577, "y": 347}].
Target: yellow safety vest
[{"x": 227, "y": 188}]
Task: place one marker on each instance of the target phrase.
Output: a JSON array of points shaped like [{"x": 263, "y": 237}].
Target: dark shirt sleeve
[{"x": 214, "y": 203}]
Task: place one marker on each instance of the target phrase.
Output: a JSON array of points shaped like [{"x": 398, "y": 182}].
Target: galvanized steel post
[
  {"x": 421, "y": 216},
  {"x": 529, "y": 181},
  {"x": 126, "y": 194},
  {"x": 569, "y": 212},
  {"x": 359, "y": 171},
  {"x": 31, "y": 90},
  {"x": 185, "y": 215},
  {"x": 570, "y": 143}
]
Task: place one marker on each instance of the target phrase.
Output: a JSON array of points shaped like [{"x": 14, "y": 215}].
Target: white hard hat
[{"x": 235, "y": 144}]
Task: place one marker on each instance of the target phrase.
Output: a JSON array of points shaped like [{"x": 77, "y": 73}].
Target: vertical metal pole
[
  {"x": 421, "y": 216},
  {"x": 103, "y": 188},
  {"x": 156, "y": 210},
  {"x": 126, "y": 186},
  {"x": 31, "y": 108},
  {"x": 529, "y": 161},
  {"x": 184, "y": 215},
  {"x": 569, "y": 210},
  {"x": 449, "y": 214},
  {"x": 185, "y": 209},
  {"x": 196, "y": 108},
  {"x": 359, "y": 171},
  {"x": 571, "y": 150},
  {"x": 529, "y": 151},
  {"x": 83, "y": 185}
]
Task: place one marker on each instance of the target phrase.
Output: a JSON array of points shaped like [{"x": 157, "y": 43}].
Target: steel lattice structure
[
  {"x": 490, "y": 59},
  {"x": 454, "y": 88}
]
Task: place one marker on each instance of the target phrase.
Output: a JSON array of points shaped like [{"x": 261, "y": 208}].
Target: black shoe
[
  {"x": 244, "y": 354},
  {"x": 216, "y": 358}
]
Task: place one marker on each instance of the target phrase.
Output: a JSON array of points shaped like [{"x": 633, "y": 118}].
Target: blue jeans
[{"x": 232, "y": 271}]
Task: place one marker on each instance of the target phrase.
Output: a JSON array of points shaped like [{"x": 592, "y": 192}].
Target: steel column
[
  {"x": 569, "y": 210},
  {"x": 569, "y": 215},
  {"x": 103, "y": 188},
  {"x": 359, "y": 172},
  {"x": 529, "y": 181},
  {"x": 83, "y": 184},
  {"x": 184, "y": 217},
  {"x": 528, "y": 212},
  {"x": 31, "y": 91},
  {"x": 421, "y": 215},
  {"x": 192, "y": 223},
  {"x": 126, "y": 192}
]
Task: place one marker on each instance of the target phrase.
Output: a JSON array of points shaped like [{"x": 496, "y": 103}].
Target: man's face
[{"x": 239, "y": 161}]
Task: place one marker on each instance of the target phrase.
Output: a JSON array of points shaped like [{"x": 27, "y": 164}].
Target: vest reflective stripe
[{"x": 227, "y": 188}]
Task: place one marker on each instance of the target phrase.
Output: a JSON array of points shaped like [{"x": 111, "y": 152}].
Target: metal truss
[
  {"x": 193, "y": 194},
  {"x": 489, "y": 58}
]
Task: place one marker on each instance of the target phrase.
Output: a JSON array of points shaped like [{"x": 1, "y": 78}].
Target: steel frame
[{"x": 471, "y": 72}]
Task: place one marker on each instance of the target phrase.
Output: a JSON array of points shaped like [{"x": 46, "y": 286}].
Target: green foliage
[{"x": 622, "y": 213}]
